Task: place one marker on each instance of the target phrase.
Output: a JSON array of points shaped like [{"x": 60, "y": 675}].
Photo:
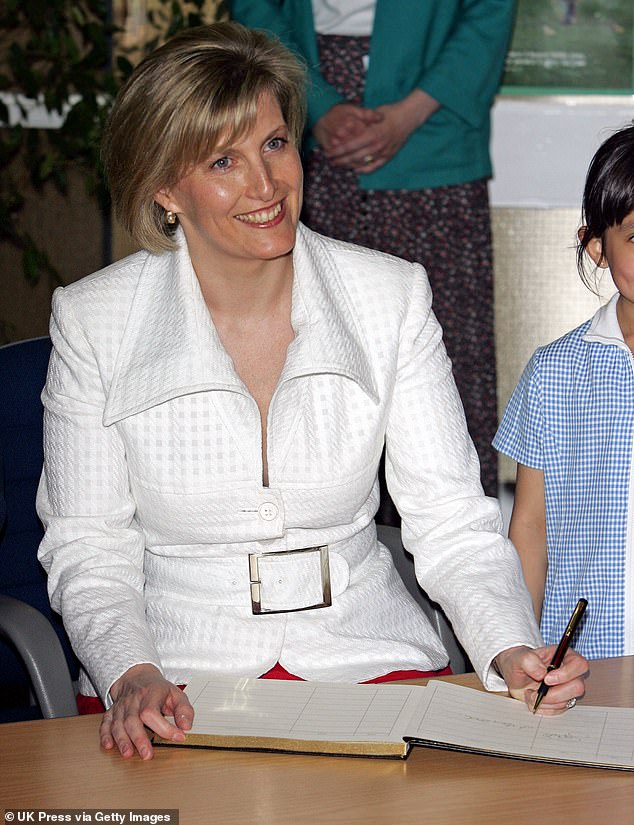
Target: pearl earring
[{"x": 171, "y": 218}]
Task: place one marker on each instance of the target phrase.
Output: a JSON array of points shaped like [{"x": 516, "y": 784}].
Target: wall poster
[{"x": 571, "y": 47}]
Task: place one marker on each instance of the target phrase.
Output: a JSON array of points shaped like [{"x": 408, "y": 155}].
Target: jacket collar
[
  {"x": 604, "y": 327},
  {"x": 170, "y": 346}
]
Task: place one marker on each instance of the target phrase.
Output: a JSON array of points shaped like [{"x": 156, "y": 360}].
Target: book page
[
  {"x": 316, "y": 711},
  {"x": 471, "y": 719}
]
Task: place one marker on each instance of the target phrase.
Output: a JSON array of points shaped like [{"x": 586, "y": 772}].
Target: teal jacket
[{"x": 452, "y": 49}]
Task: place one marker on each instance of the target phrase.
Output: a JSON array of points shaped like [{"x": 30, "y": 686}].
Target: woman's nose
[{"x": 262, "y": 185}]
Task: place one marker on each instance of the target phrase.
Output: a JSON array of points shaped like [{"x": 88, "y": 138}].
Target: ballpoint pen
[{"x": 562, "y": 647}]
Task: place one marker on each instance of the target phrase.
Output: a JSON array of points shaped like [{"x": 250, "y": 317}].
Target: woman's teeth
[{"x": 263, "y": 216}]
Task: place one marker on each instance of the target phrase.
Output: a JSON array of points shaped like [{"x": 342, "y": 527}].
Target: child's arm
[{"x": 527, "y": 531}]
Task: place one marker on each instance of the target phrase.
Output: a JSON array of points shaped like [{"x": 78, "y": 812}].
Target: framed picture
[{"x": 571, "y": 47}]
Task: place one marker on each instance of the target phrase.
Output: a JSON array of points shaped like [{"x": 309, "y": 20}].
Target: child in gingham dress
[{"x": 569, "y": 426}]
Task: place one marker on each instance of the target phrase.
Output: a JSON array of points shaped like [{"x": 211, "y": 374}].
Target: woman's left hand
[
  {"x": 380, "y": 141},
  {"x": 523, "y": 669},
  {"x": 142, "y": 698}
]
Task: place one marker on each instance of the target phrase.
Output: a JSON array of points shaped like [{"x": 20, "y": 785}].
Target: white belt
[{"x": 276, "y": 582}]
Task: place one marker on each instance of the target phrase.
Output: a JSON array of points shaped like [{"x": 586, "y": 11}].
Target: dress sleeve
[
  {"x": 521, "y": 432},
  {"x": 92, "y": 548},
  {"x": 452, "y": 529},
  {"x": 467, "y": 74}
]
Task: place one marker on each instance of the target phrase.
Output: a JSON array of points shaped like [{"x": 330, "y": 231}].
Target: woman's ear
[
  {"x": 163, "y": 198},
  {"x": 594, "y": 248}
]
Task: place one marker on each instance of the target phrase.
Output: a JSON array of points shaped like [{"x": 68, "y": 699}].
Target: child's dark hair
[{"x": 608, "y": 196}]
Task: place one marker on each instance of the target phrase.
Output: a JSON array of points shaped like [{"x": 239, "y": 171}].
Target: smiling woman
[
  {"x": 215, "y": 412},
  {"x": 203, "y": 96}
]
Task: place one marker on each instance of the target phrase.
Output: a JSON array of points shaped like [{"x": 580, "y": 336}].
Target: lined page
[
  {"x": 469, "y": 718},
  {"x": 321, "y": 711}
]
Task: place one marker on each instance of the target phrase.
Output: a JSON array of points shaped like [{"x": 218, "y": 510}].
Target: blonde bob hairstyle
[{"x": 202, "y": 85}]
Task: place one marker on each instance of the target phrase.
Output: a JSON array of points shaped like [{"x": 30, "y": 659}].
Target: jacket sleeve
[
  {"x": 92, "y": 548},
  {"x": 274, "y": 16},
  {"x": 467, "y": 73},
  {"x": 454, "y": 532}
]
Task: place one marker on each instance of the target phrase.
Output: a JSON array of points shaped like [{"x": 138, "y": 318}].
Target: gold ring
[{"x": 368, "y": 158}]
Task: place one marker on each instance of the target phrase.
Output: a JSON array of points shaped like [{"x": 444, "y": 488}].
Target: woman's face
[{"x": 243, "y": 203}]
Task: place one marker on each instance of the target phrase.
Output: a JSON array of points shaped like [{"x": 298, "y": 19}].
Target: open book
[{"x": 386, "y": 720}]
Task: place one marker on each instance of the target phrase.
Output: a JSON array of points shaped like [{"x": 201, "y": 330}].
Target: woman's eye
[
  {"x": 221, "y": 163},
  {"x": 277, "y": 143}
]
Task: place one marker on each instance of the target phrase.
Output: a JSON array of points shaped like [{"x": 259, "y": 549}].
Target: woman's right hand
[
  {"x": 343, "y": 123},
  {"x": 142, "y": 698}
]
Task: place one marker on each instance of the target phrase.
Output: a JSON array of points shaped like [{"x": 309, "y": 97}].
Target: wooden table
[{"x": 58, "y": 764}]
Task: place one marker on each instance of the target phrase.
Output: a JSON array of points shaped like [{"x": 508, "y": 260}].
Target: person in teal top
[{"x": 397, "y": 153}]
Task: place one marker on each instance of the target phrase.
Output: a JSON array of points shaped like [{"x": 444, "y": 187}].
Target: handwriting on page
[
  {"x": 301, "y": 710},
  {"x": 472, "y": 719}
]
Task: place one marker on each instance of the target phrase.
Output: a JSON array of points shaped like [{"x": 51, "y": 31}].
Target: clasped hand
[
  {"x": 142, "y": 698},
  {"x": 362, "y": 139}
]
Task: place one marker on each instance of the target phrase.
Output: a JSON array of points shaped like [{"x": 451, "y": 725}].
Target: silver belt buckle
[{"x": 256, "y": 583}]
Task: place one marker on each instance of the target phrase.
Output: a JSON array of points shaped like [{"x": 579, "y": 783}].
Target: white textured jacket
[{"x": 152, "y": 493}]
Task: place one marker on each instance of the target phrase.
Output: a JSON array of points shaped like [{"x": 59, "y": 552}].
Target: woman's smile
[{"x": 264, "y": 217}]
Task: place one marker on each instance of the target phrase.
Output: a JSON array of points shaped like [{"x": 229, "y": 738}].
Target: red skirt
[{"x": 92, "y": 704}]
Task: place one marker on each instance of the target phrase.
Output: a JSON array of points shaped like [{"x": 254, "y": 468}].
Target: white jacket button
[{"x": 268, "y": 511}]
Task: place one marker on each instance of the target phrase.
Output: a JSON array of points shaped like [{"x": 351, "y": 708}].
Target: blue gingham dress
[{"x": 572, "y": 416}]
